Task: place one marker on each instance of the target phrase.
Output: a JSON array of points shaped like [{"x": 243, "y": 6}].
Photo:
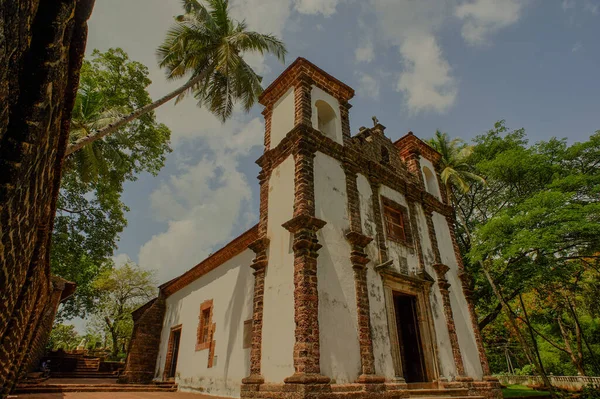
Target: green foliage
[
  {"x": 121, "y": 291},
  {"x": 64, "y": 337},
  {"x": 590, "y": 392},
  {"x": 206, "y": 44},
  {"x": 457, "y": 173},
  {"x": 90, "y": 212},
  {"x": 535, "y": 224}
]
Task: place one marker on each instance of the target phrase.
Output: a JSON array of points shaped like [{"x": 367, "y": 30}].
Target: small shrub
[{"x": 590, "y": 392}]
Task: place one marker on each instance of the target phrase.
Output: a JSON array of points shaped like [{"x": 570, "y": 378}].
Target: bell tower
[{"x": 303, "y": 107}]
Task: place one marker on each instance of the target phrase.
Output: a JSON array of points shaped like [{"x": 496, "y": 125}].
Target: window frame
[
  {"x": 389, "y": 209},
  {"x": 203, "y": 334}
]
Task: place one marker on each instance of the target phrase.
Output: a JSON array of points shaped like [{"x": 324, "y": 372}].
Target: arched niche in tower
[
  {"x": 326, "y": 114},
  {"x": 326, "y": 119},
  {"x": 431, "y": 184}
]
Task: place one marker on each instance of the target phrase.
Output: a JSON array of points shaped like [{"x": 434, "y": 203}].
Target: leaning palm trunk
[
  {"x": 113, "y": 127},
  {"x": 524, "y": 344}
]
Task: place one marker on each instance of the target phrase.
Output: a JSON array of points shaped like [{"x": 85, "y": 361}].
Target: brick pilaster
[
  {"x": 304, "y": 227},
  {"x": 359, "y": 259},
  {"x": 444, "y": 285},
  {"x": 467, "y": 291},
  {"x": 259, "y": 264},
  {"x": 345, "y": 117},
  {"x": 267, "y": 114},
  {"x": 417, "y": 237},
  {"x": 302, "y": 102},
  {"x": 375, "y": 186}
]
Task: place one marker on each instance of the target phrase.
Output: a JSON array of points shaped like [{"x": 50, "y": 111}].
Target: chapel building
[{"x": 350, "y": 285}]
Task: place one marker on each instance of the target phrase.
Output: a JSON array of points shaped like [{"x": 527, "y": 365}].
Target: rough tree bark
[{"x": 42, "y": 44}]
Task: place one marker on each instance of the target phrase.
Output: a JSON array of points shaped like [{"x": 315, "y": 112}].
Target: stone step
[
  {"x": 95, "y": 374},
  {"x": 94, "y": 388},
  {"x": 429, "y": 392},
  {"x": 441, "y": 396}
]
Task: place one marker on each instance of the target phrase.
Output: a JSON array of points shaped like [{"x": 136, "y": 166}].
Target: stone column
[
  {"x": 444, "y": 286},
  {"x": 304, "y": 227}
]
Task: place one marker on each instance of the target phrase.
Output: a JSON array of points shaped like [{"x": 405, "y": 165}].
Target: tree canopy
[
  {"x": 90, "y": 212},
  {"x": 531, "y": 240}
]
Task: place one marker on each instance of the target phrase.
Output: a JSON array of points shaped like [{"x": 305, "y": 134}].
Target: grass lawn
[{"x": 520, "y": 391}]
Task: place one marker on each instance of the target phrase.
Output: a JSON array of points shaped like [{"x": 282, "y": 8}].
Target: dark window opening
[{"x": 385, "y": 156}]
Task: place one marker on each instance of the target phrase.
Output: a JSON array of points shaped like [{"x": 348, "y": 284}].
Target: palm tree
[
  {"x": 208, "y": 46},
  {"x": 456, "y": 172},
  {"x": 90, "y": 114}
]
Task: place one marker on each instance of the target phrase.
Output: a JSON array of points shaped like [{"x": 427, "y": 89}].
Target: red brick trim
[
  {"x": 169, "y": 357},
  {"x": 301, "y": 66},
  {"x": 409, "y": 143},
  {"x": 235, "y": 247},
  {"x": 202, "y": 324},
  {"x": 444, "y": 286},
  {"x": 259, "y": 264},
  {"x": 394, "y": 206}
]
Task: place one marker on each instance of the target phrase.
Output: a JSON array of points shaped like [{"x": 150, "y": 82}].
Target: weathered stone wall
[
  {"x": 41, "y": 49},
  {"x": 145, "y": 342}
]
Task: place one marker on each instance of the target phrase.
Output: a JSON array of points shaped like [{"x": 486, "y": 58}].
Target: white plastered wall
[
  {"x": 460, "y": 309},
  {"x": 405, "y": 258},
  {"x": 318, "y": 94},
  {"x": 382, "y": 349},
  {"x": 282, "y": 117},
  {"x": 278, "y": 314},
  {"x": 338, "y": 329},
  {"x": 230, "y": 286},
  {"x": 447, "y": 368}
]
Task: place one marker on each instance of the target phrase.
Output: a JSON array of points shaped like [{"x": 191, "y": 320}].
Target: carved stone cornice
[
  {"x": 441, "y": 270},
  {"x": 300, "y": 222},
  {"x": 259, "y": 245},
  {"x": 357, "y": 239}
]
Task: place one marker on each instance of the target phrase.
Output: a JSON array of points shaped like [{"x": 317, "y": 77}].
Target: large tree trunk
[
  {"x": 113, "y": 127},
  {"x": 576, "y": 359},
  {"x": 511, "y": 317},
  {"x": 42, "y": 44}
]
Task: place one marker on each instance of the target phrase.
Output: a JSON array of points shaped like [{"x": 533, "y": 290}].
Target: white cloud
[
  {"x": 368, "y": 85},
  {"x": 591, "y": 7},
  {"x": 567, "y": 4},
  {"x": 365, "y": 52},
  {"x": 325, "y": 7},
  {"x": 576, "y": 47},
  {"x": 204, "y": 203},
  {"x": 121, "y": 259},
  {"x": 426, "y": 79},
  {"x": 485, "y": 17}
]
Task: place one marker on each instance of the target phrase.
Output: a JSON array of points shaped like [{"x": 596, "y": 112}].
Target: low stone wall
[{"x": 569, "y": 383}]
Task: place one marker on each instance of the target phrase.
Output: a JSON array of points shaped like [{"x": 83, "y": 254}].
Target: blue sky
[{"x": 455, "y": 65}]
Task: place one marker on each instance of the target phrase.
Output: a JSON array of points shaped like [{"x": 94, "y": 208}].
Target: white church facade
[{"x": 350, "y": 285}]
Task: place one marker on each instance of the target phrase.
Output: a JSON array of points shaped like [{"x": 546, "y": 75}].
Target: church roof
[{"x": 302, "y": 66}]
